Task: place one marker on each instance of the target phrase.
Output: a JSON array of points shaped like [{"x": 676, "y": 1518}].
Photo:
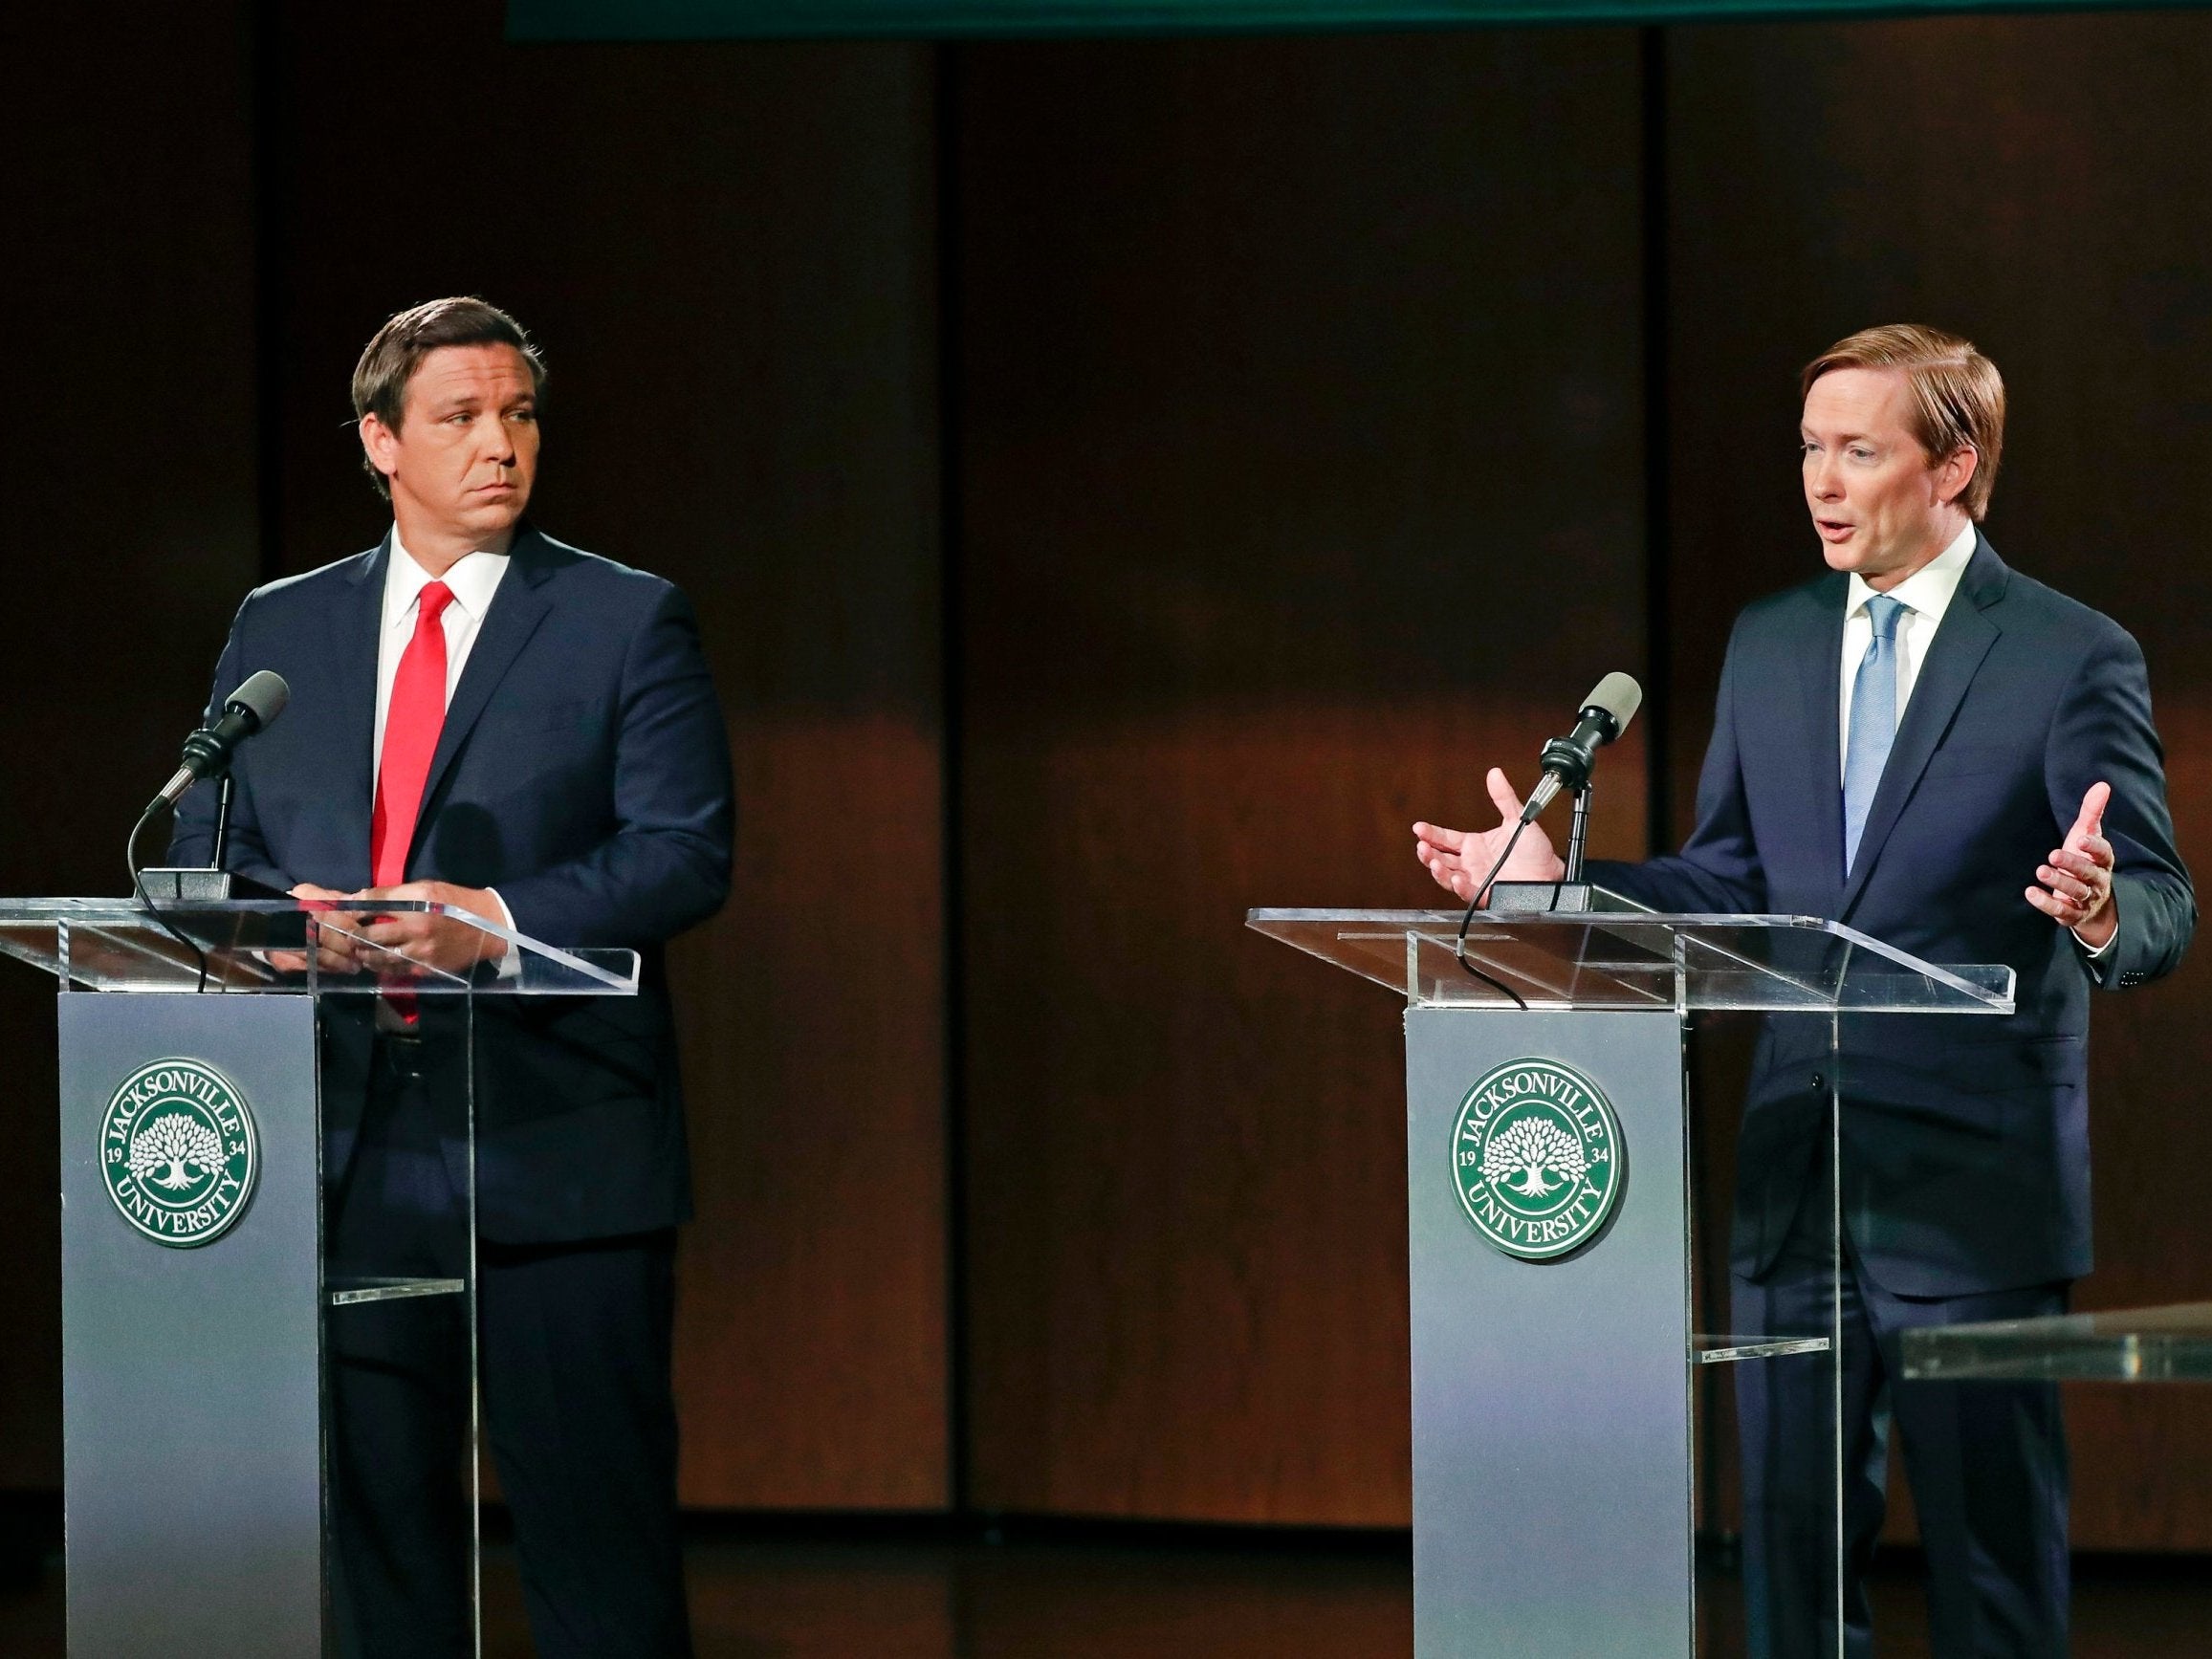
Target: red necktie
[{"x": 412, "y": 722}]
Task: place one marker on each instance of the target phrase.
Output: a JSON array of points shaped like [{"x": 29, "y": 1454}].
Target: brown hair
[
  {"x": 1958, "y": 394},
  {"x": 391, "y": 357}
]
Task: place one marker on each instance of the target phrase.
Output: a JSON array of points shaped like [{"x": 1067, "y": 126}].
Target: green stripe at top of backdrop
[{"x": 978, "y": 19}]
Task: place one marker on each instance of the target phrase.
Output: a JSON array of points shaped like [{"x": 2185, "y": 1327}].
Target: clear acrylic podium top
[
  {"x": 2165, "y": 1345},
  {"x": 1635, "y": 959},
  {"x": 270, "y": 947}
]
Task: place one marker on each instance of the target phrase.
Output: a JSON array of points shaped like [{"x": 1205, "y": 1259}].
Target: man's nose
[
  {"x": 498, "y": 440},
  {"x": 1823, "y": 479}
]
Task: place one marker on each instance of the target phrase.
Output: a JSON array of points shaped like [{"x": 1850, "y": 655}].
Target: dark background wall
[
  {"x": 1122, "y": 484},
  {"x": 731, "y": 260},
  {"x": 1235, "y": 614},
  {"x": 127, "y": 422}
]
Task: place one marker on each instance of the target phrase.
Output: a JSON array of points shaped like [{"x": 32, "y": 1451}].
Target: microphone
[
  {"x": 1567, "y": 761},
  {"x": 249, "y": 709}
]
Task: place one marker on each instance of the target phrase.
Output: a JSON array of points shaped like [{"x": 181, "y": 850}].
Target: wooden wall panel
[
  {"x": 126, "y": 427},
  {"x": 1301, "y": 414},
  {"x": 728, "y": 254},
  {"x": 2031, "y": 182}
]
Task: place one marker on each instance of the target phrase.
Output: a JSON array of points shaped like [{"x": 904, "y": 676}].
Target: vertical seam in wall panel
[
  {"x": 945, "y": 63},
  {"x": 271, "y": 200},
  {"x": 1659, "y": 661},
  {"x": 1658, "y": 653}
]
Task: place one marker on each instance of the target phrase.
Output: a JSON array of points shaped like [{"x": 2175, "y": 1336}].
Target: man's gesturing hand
[
  {"x": 1458, "y": 858},
  {"x": 2077, "y": 882}
]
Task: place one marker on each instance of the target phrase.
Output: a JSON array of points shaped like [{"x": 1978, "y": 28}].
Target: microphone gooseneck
[
  {"x": 252, "y": 708},
  {"x": 257, "y": 702},
  {"x": 1567, "y": 761},
  {"x": 1606, "y": 713}
]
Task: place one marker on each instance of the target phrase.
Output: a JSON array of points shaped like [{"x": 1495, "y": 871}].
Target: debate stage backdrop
[{"x": 1123, "y": 482}]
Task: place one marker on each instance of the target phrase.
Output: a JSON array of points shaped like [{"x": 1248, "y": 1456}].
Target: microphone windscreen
[
  {"x": 1618, "y": 695},
  {"x": 264, "y": 694}
]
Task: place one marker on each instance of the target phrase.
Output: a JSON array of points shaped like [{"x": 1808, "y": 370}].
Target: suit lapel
[
  {"x": 517, "y": 609},
  {"x": 1955, "y": 656},
  {"x": 358, "y": 634},
  {"x": 1819, "y": 664}
]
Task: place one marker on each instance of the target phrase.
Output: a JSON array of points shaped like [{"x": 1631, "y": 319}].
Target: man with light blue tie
[{"x": 1950, "y": 757}]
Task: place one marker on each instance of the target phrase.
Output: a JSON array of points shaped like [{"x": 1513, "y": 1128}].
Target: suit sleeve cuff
[
  {"x": 2099, "y": 959},
  {"x": 511, "y": 962}
]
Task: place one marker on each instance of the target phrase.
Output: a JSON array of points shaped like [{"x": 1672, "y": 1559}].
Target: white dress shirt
[
  {"x": 473, "y": 579},
  {"x": 1926, "y": 594}
]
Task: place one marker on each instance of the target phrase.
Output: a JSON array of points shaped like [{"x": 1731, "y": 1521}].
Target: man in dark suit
[
  {"x": 484, "y": 717},
  {"x": 1900, "y": 746}
]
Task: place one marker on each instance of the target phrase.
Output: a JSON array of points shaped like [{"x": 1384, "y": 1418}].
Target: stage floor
[{"x": 1086, "y": 1593}]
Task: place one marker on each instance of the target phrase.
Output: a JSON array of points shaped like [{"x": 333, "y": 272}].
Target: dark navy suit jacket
[
  {"x": 1966, "y": 1138},
  {"x": 583, "y": 772}
]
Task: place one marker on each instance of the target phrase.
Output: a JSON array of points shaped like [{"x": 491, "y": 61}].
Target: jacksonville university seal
[
  {"x": 1536, "y": 1155},
  {"x": 177, "y": 1149}
]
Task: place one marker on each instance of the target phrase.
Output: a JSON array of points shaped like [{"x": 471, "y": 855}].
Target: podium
[
  {"x": 212, "y": 1076},
  {"x": 1568, "y": 1309}
]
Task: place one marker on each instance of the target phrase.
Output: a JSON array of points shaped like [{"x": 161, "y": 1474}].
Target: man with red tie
[{"x": 485, "y": 717}]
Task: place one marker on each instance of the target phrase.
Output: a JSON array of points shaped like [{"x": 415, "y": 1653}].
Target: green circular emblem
[
  {"x": 177, "y": 1149},
  {"x": 1536, "y": 1155}
]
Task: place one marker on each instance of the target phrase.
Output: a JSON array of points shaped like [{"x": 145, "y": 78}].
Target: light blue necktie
[{"x": 1873, "y": 721}]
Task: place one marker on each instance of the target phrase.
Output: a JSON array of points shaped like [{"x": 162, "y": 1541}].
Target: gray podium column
[
  {"x": 1551, "y": 1401},
  {"x": 192, "y": 1430}
]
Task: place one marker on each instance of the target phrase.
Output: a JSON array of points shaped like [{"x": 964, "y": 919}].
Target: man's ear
[
  {"x": 381, "y": 445},
  {"x": 1956, "y": 472}
]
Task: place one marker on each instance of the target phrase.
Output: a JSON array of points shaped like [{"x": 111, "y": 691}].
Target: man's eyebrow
[{"x": 453, "y": 402}]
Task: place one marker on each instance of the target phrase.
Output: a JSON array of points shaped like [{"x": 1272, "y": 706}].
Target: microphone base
[
  {"x": 198, "y": 886},
  {"x": 1559, "y": 898}
]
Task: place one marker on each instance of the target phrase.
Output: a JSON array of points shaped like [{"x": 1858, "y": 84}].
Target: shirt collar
[
  {"x": 1927, "y": 592},
  {"x": 473, "y": 579}
]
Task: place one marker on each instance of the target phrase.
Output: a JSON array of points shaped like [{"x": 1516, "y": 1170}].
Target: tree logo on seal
[
  {"x": 178, "y": 1152},
  {"x": 1536, "y": 1156}
]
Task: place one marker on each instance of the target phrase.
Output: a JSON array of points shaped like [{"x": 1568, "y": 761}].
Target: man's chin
[
  {"x": 493, "y": 517},
  {"x": 1846, "y": 555}
]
